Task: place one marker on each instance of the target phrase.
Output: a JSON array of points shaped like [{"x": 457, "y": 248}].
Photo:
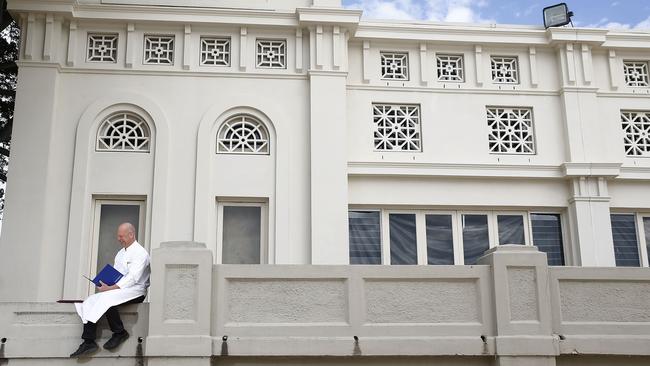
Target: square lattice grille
[
  {"x": 510, "y": 130},
  {"x": 450, "y": 68},
  {"x": 271, "y": 54},
  {"x": 636, "y": 73},
  {"x": 102, "y": 47},
  {"x": 215, "y": 51},
  {"x": 159, "y": 50},
  {"x": 396, "y": 127},
  {"x": 505, "y": 69},
  {"x": 636, "y": 127},
  {"x": 394, "y": 65}
]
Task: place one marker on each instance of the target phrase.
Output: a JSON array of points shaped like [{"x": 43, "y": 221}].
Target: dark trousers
[{"x": 113, "y": 318}]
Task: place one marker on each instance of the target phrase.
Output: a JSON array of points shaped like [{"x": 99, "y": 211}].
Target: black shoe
[
  {"x": 85, "y": 349},
  {"x": 116, "y": 340}
]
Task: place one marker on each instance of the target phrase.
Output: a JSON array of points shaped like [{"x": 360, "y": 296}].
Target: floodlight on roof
[{"x": 557, "y": 15}]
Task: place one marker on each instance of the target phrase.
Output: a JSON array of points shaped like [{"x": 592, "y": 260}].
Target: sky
[{"x": 612, "y": 14}]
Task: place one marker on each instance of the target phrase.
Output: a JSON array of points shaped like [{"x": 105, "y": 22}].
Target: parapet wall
[{"x": 511, "y": 309}]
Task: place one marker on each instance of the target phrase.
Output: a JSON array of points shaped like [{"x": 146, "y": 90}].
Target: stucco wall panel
[
  {"x": 422, "y": 301},
  {"x": 522, "y": 285},
  {"x": 287, "y": 301},
  {"x": 605, "y": 301}
]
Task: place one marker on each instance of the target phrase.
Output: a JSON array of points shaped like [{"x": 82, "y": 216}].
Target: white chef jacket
[{"x": 133, "y": 263}]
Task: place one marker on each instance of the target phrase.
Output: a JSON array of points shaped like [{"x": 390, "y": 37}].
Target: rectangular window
[
  {"x": 403, "y": 239},
  {"x": 215, "y": 51},
  {"x": 505, "y": 69},
  {"x": 159, "y": 50},
  {"x": 271, "y": 54},
  {"x": 394, "y": 65},
  {"x": 476, "y": 237},
  {"x": 396, "y": 127},
  {"x": 511, "y": 229},
  {"x": 450, "y": 68},
  {"x": 427, "y": 237},
  {"x": 636, "y": 73},
  {"x": 242, "y": 234},
  {"x": 547, "y": 237},
  {"x": 440, "y": 239},
  {"x": 510, "y": 130},
  {"x": 636, "y": 130},
  {"x": 102, "y": 47},
  {"x": 109, "y": 214},
  {"x": 365, "y": 237},
  {"x": 626, "y": 244}
]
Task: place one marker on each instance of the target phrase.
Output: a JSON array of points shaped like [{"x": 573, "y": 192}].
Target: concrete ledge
[
  {"x": 179, "y": 346},
  {"x": 606, "y": 345},
  {"x": 347, "y": 346},
  {"x": 527, "y": 346},
  {"x": 52, "y": 330}
]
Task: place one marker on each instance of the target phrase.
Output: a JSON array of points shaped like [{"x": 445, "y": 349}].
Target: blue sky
[{"x": 613, "y": 14}]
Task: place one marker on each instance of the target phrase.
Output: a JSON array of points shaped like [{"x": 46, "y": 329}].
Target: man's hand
[{"x": 104, "y": 287}]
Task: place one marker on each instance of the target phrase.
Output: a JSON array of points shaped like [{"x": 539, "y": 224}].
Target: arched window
[
  {"x": 124, "y": 131},
  {"x": 243, "y": 134}
]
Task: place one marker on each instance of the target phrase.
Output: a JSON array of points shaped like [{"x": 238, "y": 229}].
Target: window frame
[
  {"x": 642, "y": 244},
  {"x": 265, "y": 255},
  {"x": 97, "y": 211},
  {"x": 457, "y": 231},
  {"x": 408, "y": 65}
]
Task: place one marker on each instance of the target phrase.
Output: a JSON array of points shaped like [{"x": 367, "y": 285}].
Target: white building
[{"x": 291, "y": 132}]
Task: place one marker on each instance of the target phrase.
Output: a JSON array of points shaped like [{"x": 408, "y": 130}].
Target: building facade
[{"x": 291, "y": 132}]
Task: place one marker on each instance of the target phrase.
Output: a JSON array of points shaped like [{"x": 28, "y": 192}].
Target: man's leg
[
  {"x": 117, "y": 327},
  {"x": 88, "y": 346}
]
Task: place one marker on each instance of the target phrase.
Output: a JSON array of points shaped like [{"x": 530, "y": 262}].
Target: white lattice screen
[
  {"x": 102, "y": 47},
  {"x": 215, "y": 51},
  {"x": 505, "y": 69},
  {"x": 450, "y": 68},
  {"x": 243, "y": 134},
  {"x": 394, "y": 65},
  {"x": 636, "y": 127},
  {"x": 636, "y": 73},
  {"x": 158, "y": 50},
  {"x": 124, "y": 131},
  {"x": 510, "y": 130},
  {"x": 396, "y": 127},
  {"x": 271, "y": 54}
]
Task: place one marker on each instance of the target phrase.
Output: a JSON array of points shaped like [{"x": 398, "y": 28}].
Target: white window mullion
[
  {"x": 459, "y": 253},
  {"x": 643, "y": 248},
  {"x": 385, "y": 237},
  {"x": 421, "y": 231},
  {"x": 493, "y": 229}
]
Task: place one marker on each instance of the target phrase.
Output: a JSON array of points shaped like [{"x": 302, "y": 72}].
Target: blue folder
[{"x": 108, "y": 275}]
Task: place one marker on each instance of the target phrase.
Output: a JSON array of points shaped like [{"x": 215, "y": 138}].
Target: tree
[{"x": 9, "y": 38}]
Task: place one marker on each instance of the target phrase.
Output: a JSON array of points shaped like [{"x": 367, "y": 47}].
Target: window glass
[
  {"x": 111, "y": 216},
  {"x": 365, "y": 237},
  {"x": 403, "y": 239},
  {"x": 511, "y": 229},
  {"x": 440, "y": 240},
  {"x": 476, "y": 238},
  {"x": 626, "y": 247},
  {"x": 547, "y": 237},
  {"x": 242, "y": 234}
]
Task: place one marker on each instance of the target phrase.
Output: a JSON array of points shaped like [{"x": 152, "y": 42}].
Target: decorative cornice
[
  {"x": 592, "y": 169},
  {"x": 453, "y": 170}
]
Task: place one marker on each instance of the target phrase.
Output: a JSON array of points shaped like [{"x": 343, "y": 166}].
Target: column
[
  {"x": 522, "y": 305},
  {"x": 180, "y": 304}
]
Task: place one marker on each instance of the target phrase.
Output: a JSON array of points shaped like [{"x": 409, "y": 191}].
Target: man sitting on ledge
[{"x": 133, "y": 262}]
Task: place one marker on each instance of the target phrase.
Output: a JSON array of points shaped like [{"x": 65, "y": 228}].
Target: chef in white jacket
[{"x": 133, "y": 262}]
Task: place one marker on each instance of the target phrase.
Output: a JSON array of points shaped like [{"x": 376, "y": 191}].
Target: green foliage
[{"x": 9, "y": 39}]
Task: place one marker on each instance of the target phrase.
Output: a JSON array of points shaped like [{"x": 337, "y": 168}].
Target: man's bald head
[{"x": 126, "y": 234}]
